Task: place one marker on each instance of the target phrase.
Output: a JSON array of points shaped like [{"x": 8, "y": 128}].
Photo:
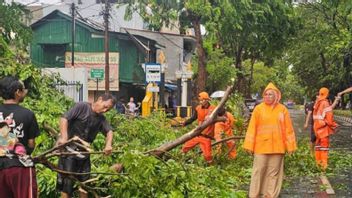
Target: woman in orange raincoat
[
  {"x": 269, "y": 136},
  {"x": 324, "y": 126}
]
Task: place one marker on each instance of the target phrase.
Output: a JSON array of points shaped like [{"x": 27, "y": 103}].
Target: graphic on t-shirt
[{"x": 17, "y": 130}]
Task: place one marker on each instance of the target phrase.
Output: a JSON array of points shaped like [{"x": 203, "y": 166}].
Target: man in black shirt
[
  {"x": 17, "y": 179},
  {"x": 84, "y": 120},
  {"x": 309, "y": 121}
]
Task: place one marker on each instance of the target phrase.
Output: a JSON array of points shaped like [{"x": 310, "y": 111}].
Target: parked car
[
  {"x": 289, "y": 104},
  {"x": 250, "y": 104}
]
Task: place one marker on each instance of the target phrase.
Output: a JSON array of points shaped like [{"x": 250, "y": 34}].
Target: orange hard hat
[
  {"x": 203, "y": 96},
  {"x": 323, "y": 93}
]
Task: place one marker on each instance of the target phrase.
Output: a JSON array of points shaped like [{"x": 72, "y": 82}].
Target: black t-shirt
[
  {"x": 85, "y": 123},
  {"x": 23, "y": 124},
  {"x": 310, "y": 107}
]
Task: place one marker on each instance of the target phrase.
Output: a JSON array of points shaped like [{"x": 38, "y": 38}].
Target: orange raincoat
[
  {"x": 324, "y": 126},
  {"x": 269, "y": 135},
  {"x": 270, "y": 129}
]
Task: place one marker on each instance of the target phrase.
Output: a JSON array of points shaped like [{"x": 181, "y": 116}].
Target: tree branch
[
  {"x": 195, "y": 132},
  {"x": 227, "y": 139},
  {"x": 52, "y": 132}
]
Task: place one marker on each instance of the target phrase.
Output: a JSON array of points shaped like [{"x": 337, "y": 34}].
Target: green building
[{"x": 51, "y": 47}]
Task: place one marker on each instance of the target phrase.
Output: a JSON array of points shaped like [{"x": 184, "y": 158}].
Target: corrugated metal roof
[{"x": 91, "y": 24}]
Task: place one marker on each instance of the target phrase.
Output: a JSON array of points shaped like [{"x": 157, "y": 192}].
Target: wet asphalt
[{"x": 310, "y": 186}]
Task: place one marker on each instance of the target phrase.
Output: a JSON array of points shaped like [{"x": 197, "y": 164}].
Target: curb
[
  {"x": 343, "y": 118},
  {"x": 329, "y": 190}
]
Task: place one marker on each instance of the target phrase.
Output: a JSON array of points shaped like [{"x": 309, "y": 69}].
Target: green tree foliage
[
  {"x": 262, "y": 75},
  {"x": 255, "y": 30},
  {"x": 11, "y": 17},
  {"x": 159, "y": 13},
  {"x": 220, "y": 68},
  {"x": 279, "y": 73},
  {"x": 241, "y": 29},
  {"x": 321, "y": 51}
]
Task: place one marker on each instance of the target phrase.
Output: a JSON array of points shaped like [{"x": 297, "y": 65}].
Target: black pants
[{"x": 72, "y": 164}]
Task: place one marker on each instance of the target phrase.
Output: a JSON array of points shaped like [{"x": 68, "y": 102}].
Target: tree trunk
[
  {"x": 323, "y": 61},
  {"x": 240, "y": 76},
  {"x": 248, "y": 94},
  {"x": 202, "y": 72}
]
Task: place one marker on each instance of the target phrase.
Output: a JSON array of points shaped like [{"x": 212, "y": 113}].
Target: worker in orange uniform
[
  {"x": 224, "y": 130},
  {"x": 269, "y": 136},
  {"x": 324, "y": 126},
  {"x": 204, "y": 139}
]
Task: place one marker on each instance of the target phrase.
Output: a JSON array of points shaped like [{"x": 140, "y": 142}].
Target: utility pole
[
  {"x": 73, "y": 14},
  {"x": 161, "y": 60},
  {"x": 106, "y": 41}
]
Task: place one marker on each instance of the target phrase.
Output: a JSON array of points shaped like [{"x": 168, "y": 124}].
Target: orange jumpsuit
[
  {"x": 203, "y": 140},
  {"x": 324, "y": 126},
  {"x": 223, "y": 130}
]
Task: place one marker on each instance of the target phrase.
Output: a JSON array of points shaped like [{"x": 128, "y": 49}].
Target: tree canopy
[
  {"x": 12, "y": 27},
  {"x": 322, "y": 50}
]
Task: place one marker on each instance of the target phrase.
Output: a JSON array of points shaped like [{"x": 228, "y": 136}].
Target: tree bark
[
  {"x": 248, "y": 94},
  {"x": 202, "y": 72},
  {"x": 240, "y": 77},
  {"x": 323, "y": 61},
  {"x": 193, "y": 133},
  {"x": 51, "y": 131},
  {"x": 228, "y": 139}
]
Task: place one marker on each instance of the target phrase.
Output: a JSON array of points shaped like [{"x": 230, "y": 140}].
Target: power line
[{"x": 80, "y": 9}]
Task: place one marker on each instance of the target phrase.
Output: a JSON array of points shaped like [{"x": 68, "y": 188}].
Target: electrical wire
[{"x": 80, "y": 9}]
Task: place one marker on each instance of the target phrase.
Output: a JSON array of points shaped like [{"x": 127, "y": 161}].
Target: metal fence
[{"x": 72, "y": 89}]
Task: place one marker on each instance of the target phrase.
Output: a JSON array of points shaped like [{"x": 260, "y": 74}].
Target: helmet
[{"x": 203, "y": 96}]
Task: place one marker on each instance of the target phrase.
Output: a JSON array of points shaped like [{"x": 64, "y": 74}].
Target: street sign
[
  {"x": 97, "y": 73},
  {"x": 153, "y": 89},
  {"x": 152, "y": 72}
]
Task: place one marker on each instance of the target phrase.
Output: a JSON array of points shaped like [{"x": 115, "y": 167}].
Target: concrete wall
[
  {"x": 71, "y": 75},
  {"x": 172, "y": 46}
]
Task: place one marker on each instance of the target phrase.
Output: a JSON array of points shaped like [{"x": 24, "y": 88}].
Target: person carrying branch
[
  {"x": 18, "y": 130},
  {"x": 204, "y": 139},
  {"x": 84, "y": 120},
  {"x": 224, "y": 130},
  {"x": 269, "y": 136}
]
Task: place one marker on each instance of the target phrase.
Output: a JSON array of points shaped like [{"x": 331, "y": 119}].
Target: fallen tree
[{"x": 212, "y": 118}]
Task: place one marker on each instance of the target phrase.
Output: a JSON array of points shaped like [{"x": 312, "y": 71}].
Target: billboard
[{"x": 95, "y": 61}]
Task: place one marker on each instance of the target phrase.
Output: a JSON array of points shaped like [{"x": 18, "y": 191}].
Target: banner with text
[{"x": 96, "y": 60}]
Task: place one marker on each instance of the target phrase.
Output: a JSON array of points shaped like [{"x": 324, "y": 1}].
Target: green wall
[{"x": 52, "y": 38}]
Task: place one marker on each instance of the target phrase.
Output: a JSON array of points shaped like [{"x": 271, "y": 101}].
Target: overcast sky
[{"x": 33, "y": 2}]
